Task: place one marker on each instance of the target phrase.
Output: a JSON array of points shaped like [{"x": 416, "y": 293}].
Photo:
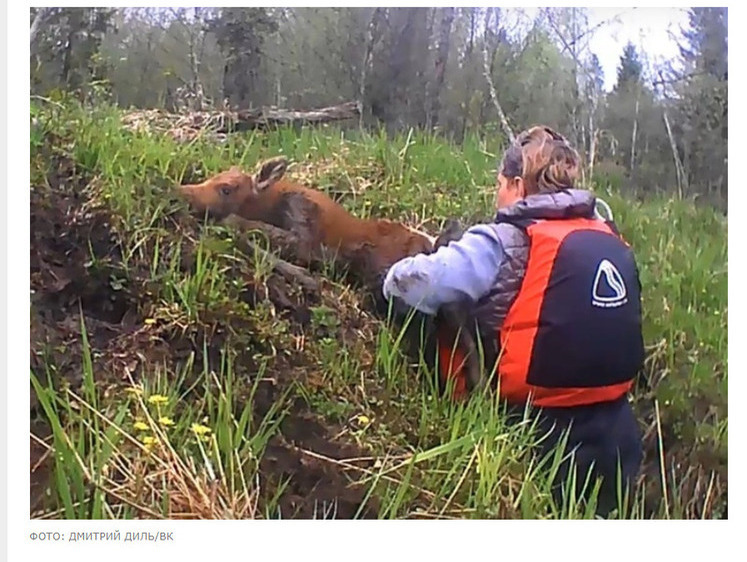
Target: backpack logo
[{"x": 609, "y": 289}]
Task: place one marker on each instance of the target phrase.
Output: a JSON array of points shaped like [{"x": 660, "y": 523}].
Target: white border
[
  {"x": 310, "y": 540},
  {"x": 4, "y": 290}
]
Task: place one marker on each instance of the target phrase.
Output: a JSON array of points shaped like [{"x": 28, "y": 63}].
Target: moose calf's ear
[{"x": 270, "y": 171}]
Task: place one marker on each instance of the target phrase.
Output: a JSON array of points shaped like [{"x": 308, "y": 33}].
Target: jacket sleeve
[{"x": 464, "y": 269}]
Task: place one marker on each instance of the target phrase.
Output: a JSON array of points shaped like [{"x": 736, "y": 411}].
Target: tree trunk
[
  {"x": 367, "y": 59},
  {"x": 677, "y": 162},
  {"x": 468, "y": 59},
  {"x": 635, "y": 134},
  {"x": 227, "y": 88},
  {"x": 447, "y": 18},
  {"x": 41, "y": 14},
  {"x": 195, "y": 61},
  {"x": 487, "y": 72},
  {"x": 67, "y": 60},
  {"x": 592, "y": 135}
]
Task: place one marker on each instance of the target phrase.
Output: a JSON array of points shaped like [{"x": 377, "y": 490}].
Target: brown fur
[{"x": 267, "y": 197}]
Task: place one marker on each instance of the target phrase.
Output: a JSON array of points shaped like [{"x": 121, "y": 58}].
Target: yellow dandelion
[
  {"x": 157, "y": 399},
  {"x": 149, "y": 321},
  {"x": 199, "y": 429},
  {"x": 140, "y": 426},
  {"x": 363, "y": 419},
  {"x": 149, "y": 441},
  {"x": 166, "y": 421}
]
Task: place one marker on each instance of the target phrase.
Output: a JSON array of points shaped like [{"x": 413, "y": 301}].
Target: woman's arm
[{"x": 464, "y": 269}]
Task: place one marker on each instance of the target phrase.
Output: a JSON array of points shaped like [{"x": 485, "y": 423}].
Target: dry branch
[
  {"x": 360, "y": 261},
  {"x": 285, "y": 242}
]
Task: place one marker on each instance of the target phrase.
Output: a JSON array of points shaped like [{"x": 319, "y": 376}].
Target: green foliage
[
  {"x": 706, "y": 42},
  {"x": 240, "y": 34},
  {"x": 66, "y": 52},
  {"x": 542, "y": 78},
  {"x": 702, "y": 111},
  {"x": 630, "y": 71}
]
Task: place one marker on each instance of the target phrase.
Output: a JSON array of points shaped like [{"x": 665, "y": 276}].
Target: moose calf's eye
[{"x": 225, "y": 190}]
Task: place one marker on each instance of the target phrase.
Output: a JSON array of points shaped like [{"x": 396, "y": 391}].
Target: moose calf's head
[{"x": 224, "y": 193}]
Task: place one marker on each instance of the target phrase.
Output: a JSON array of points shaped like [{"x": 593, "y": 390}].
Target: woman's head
[{"x": 539, "y": 160}]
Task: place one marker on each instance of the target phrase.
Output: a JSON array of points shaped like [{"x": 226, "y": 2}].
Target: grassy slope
[{"x": 218, "y": 400}]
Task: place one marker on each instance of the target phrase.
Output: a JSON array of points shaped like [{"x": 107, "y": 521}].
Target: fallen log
[
  {"x": 262, "y": 118},
  {"x": 218, "y": 124}
]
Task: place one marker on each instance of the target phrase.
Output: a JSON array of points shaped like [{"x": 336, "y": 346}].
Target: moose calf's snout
[
  {"x": 192, "y": 194},
  {"x": 187, "y": 191},
  {"x": 195, "y": 196}
]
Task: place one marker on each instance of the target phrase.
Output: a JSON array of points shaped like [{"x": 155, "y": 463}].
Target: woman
[{"x": 555, "y": 296}]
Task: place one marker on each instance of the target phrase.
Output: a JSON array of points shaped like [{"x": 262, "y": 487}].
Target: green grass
[{"x": 114, "y": 456}]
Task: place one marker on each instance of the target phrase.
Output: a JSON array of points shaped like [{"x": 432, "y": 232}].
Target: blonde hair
[{"x": 543, "y": 158}]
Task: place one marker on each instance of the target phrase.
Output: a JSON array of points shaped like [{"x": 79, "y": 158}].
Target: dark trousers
[
  {"x": 604, "y": 437},
  {"x": 606, "y": 441}
]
